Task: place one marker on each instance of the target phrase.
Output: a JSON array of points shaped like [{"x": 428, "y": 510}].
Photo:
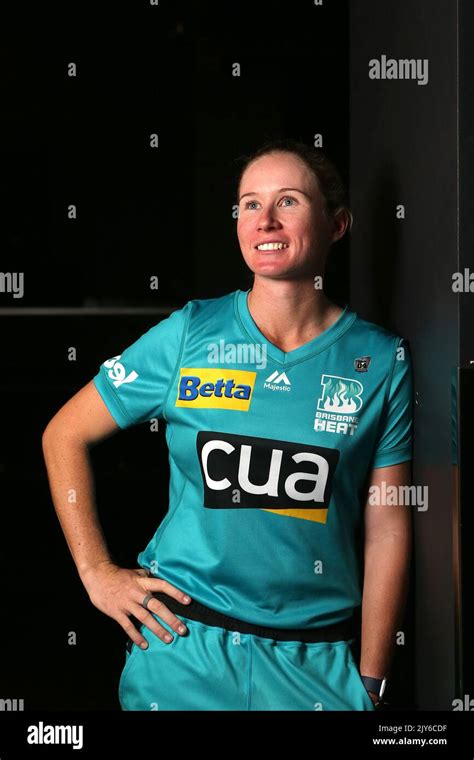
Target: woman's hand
[{"x": 119, "y": 592}]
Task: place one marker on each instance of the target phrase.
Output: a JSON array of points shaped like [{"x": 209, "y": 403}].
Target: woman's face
[{"x": 270, "y": 212}]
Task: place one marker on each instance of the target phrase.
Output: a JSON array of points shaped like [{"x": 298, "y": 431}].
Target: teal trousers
[{"x": 212, "y": 668}]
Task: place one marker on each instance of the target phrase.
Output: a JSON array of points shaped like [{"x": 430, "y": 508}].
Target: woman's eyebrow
[{"x": 282, "y": 189}]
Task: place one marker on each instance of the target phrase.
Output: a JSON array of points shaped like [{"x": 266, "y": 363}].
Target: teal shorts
[{"x": 212, "y": 668}]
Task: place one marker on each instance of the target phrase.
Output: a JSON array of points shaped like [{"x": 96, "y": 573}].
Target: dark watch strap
[{"x": 374, "y": 684}]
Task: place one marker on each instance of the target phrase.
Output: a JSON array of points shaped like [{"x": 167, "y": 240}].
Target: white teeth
[{"x": 272, "y": 246}]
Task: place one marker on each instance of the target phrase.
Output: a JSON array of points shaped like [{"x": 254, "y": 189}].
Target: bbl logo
[{"x": 361, "y": 364}]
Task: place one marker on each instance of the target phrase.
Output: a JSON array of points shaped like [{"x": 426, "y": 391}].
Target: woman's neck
[{"x": 290, "y": 314}]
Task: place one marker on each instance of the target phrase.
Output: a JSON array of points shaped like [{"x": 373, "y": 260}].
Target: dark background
[
  {"x": 168, "y": 212},
  {"x": 413, "y": 144}
]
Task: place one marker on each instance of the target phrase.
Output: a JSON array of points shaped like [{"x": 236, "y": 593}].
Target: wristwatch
[{"x": 377, "y": 686}]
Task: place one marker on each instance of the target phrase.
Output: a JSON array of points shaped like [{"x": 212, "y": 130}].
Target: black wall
[{"x": 413, "y": 144}]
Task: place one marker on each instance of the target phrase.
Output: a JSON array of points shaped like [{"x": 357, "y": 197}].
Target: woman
[{"x": 282, "y": 408}]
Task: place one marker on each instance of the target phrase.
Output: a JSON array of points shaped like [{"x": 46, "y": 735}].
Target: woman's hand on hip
[{"x": 119, "y": 592}]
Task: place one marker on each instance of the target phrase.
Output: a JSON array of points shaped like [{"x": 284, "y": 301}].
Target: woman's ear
[{"x": 341, "y": 220}]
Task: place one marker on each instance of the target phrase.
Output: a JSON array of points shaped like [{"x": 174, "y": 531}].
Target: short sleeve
[
  {"x": 394, "y": 443},
  {"x": 134, "y": 384}
]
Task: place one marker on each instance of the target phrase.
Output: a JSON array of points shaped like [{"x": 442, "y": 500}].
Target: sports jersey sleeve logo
[
  {"x": 262, "y": 473},
  {"x": 118, "y": 373},
  {"x": 214, "y": 388}
]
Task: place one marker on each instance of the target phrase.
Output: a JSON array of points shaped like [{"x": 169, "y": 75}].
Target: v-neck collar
[{"x": 314, "y": 346}]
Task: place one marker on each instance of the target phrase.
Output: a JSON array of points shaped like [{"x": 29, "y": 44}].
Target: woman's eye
[{"x": 286, "y": 198}]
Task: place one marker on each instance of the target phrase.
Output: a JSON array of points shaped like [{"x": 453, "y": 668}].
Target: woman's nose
[{"x": 267, "y": 218}]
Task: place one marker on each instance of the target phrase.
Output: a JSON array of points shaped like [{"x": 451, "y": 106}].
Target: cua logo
[{"x": 249, "y": 472}]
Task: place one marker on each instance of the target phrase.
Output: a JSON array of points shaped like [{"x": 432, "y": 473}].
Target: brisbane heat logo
[
  {"x": 247, "y": 472},
  {"x": 340, "y": 400}
]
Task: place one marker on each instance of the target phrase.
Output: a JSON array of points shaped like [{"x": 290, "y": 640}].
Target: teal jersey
[{"x": 270, "y": 454}]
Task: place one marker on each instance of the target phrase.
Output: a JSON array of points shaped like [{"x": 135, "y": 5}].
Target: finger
[
  {"x": 131, "y": 631},
  {"x": 159, "y": 584},
  {"x": 147, "y": 619},
  {"x": 159, "y": 608}
]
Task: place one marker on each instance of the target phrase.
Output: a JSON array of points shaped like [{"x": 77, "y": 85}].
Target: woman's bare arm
[
  {"x": 83, "y": 421},
  {"x": 388, "y": 543}
]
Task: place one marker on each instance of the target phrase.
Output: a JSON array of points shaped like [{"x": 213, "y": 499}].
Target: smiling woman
[
  {"x": 292, "y": 208},
  {"x": 257, "y": 554}
]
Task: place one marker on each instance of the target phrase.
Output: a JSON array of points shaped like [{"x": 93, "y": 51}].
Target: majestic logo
[
  {"x": 118, "y": 373},
  {"x": 340, "y": 399},
  {"x": 293, "y": 479},
  {"x": 361, "y": 364},
  {"x": 214, "y": 388},
  {"x": 277, "y": 382}
]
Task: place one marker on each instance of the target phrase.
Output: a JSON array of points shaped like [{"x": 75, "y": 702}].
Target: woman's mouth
[{"x": 271, "y": 247}]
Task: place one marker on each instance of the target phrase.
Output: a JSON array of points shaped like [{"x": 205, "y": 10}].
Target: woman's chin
[
  {"x": 270, "y": 265},
  {"x": 273, "y": 266}
]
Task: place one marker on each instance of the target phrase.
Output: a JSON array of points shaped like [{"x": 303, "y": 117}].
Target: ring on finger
[{"x": 146, "y": 600}]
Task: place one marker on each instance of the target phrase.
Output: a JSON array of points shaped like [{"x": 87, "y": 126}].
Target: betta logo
[
  {"x": 340, "y": 394},
  {"x": 215, "y": 388}
]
